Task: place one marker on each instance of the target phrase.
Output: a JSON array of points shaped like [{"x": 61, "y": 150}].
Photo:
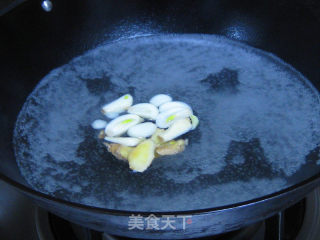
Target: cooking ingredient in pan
[{"x": 176, "y": 116}]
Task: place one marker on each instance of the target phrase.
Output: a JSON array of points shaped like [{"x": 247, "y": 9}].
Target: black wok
[{"x": 219, "y": 194}]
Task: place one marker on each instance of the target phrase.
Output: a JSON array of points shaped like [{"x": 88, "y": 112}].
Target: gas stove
[{"x": 21, "y": 219}]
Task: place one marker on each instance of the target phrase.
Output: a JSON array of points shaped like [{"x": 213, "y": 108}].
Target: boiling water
[{"x": 259, "y": 121}]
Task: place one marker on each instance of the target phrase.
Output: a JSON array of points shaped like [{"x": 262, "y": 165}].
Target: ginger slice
[
  {"x": 119, "y": 151},
  {"x": 172, "y": 147},
  {"x": 140, "y": 158}
]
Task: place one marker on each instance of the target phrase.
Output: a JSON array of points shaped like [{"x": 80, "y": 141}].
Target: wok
[{"x": 220, "y": 183}]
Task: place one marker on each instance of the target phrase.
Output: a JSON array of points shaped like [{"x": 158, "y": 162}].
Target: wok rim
[{"x": 99, "y": 210}]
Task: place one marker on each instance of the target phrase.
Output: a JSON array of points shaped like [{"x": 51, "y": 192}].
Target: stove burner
[
  {"x": 299, "y": 222},
  {"x": 52, "y": 227}
]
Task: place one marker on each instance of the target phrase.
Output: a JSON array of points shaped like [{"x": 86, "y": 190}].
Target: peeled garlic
[
  {"x": 176, "y": 104},
  {"x": 159, "y": 99},
  {"x": 166, "y": 118},
  {"x": 172, "y": 147},
  {"x": 98, "y": 124},
  {"x": 126, "y": 141},
  {"x": 121, "y": 124},
  {"x": 145, "y": 110},
  {"x": 112, "y": 115},
  {"x": 178, "y": 128},
  {"x": 119, "y": 151},
  {"x": 141, "y": 156},
  {"x": 142, "y": 130},
  {"x": 194, "y": 121},
  {"x": 117, "y": 106}
]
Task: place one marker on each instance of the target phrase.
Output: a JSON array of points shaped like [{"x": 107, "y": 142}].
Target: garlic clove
[
  {"x": 170, "y": 105},
  {"x": 141, "y": 156},
  {"x": 194, "y": 121},
  {"x": 159, "y": 99},
  {"x": 112, "y": 115},
  {"x": 165, "y": 119},
  {"x": 145, "y": 110},
  {"x": 178, "y": 128},
  {"x": 120, "y": 125},
  {"x": 126, "y": 141},
  {"x": 98, "y": 124},
  {"x": 142, "y": 130},
  {"x": 121, "y": 152},
  {"x": 117, "y": 106}
]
